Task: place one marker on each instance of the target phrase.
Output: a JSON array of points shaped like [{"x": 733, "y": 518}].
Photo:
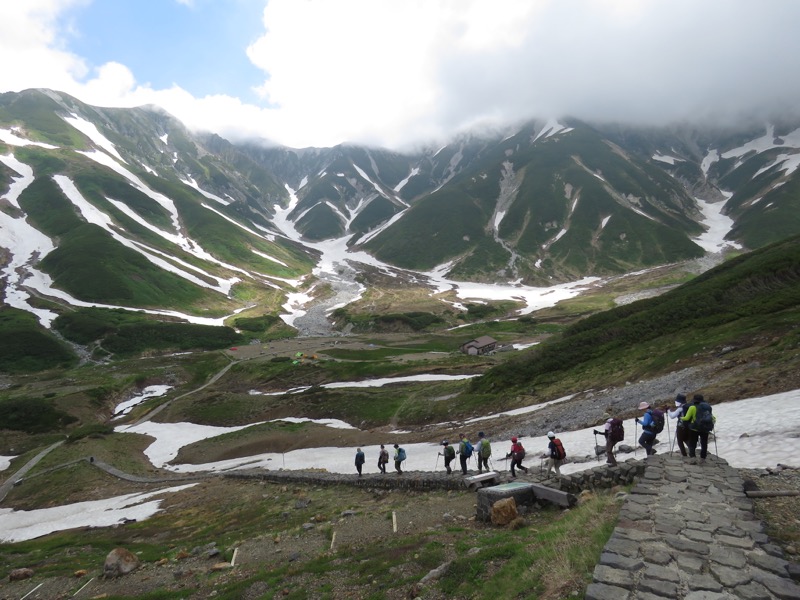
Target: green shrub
[{"x": 32, "y": 415}]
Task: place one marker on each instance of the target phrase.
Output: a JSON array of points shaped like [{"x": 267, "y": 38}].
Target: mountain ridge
[{"x": 552, "y": 202}]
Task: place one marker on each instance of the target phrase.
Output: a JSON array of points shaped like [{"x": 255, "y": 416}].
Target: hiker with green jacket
[{"x": 701, "y": 422}]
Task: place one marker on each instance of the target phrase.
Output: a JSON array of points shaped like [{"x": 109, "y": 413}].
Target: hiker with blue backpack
[
  {"x": 652, "y": 423},
  {"x": 464, "y": 452},
  {"x": 701, "y": 421}
]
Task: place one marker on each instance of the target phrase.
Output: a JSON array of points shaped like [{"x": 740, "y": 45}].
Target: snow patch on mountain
[
  {"x": 403, "y": 183},
  {"x": 12, "y": 138},
  {"x": 94, "y": 215},
  {"x": 551, "y": 128},
  {"x": 709, "y": 159},
  {"x": 788, "y": 162},
  {"x": 717, "y": 226},
  {"x": 90, "y": 130},
  {"x": 194, "y": 185},
  {"x": 665, "y": 158}
]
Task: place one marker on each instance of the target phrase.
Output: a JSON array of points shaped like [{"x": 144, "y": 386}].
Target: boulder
[
  {"x": 120, "y": 562},
  {"x": 504, "y": 511},
  {"x": 20, "y": 574}
]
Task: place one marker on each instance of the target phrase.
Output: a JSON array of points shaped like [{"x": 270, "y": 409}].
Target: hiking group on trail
[{"x": 694, "y": 423}]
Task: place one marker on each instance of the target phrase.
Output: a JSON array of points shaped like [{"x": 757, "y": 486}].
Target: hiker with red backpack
[
  {"x": 517, "y": 454},
  {"x": 614, "y": 432},
  {"x": 556, "y": 454}
]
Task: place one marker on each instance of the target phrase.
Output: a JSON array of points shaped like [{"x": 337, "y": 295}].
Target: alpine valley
[
  {"x": 232, "y": 300},
  {"x": 126, "y": 208}
]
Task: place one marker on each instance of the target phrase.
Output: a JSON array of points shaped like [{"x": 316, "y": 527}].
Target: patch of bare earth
[{"x": 781, "y": 514}]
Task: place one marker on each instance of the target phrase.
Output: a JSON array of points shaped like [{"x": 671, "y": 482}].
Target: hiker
[
  {"x": 682, "y": 429},
  {"x": 517, "y": 454},
  {"x": 614, "y": 432},
  {"x": 360, "y": 460},
  {"x": 383, "y": 458},
  {"x": 399, "y": 457},
  {"x": 701, "y": 422},
  {"x": 449, "y": 454},
  {"x": 464, "y": 452},
  {"x": 483, "y": 449},
  {"x": 648, "y": 428},
  {"x": 555, "y": 453}
]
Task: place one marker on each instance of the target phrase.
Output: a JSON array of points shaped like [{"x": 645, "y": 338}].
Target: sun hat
[
  {"x": 680, "y": 398},
  {"x": 445, "y": 442},
  {"x": 550, "y": 434},
  {"x": 513, "y": 439},
  {"x": 609, "y": 420},
  {"x": 643, "y": 405}
]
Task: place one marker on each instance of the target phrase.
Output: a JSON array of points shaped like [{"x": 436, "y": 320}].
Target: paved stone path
[
  {"x": 6, "y": 486},
  {"x": 688, "y": 532}
]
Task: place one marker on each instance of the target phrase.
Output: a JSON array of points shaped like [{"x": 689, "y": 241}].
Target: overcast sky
[{"x": 395, "y": 72}]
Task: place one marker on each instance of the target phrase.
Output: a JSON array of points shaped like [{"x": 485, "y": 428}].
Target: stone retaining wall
[
  {"x": 602, "y": 477},
  {"x": 409, "y": 480},
  {"x": 596, "y": 478}
]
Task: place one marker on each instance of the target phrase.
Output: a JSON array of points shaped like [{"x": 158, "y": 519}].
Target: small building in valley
[{"x": 481, "y": 345}]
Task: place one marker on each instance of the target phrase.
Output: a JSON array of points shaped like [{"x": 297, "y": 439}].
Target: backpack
[
  {"x": 467, "y": 449},
  {"x": 486, "y": 449},
  {"x": 703, "y": 419},
  {"x": 558, "y": 449},
  {"x": 657, "y": 425},
  {"x": 401, "y": 454},
  {"x": 617, "y": 431},
  {"x": 520, "y": 453}
]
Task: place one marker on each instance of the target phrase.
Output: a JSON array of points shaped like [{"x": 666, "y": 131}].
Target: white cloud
[{"x": 391, "y": 72}]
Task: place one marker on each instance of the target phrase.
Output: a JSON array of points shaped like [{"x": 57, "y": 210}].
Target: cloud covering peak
[{"x": 396, "y": 72}]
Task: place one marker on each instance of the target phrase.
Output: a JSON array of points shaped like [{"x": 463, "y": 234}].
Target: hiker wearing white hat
[
  {"x": 682, "y": 430},
  {"x": 555, "y": 453}
]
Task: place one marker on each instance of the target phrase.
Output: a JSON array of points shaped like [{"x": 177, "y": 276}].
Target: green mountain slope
[{"x": 755, "y": 294}]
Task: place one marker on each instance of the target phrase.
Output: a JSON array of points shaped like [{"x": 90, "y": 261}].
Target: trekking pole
[
  {"x": 669, "y": 435},
  {"x": 672, "y": 443},
  {"x": 715, "y": 443},
  {"x": 437, "y": 463},
  {"x": 595, "y": 446},
  {"x": 635, "y": 436}
]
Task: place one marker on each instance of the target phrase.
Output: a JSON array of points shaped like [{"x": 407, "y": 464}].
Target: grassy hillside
[{"x": 756, "y": 294}]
